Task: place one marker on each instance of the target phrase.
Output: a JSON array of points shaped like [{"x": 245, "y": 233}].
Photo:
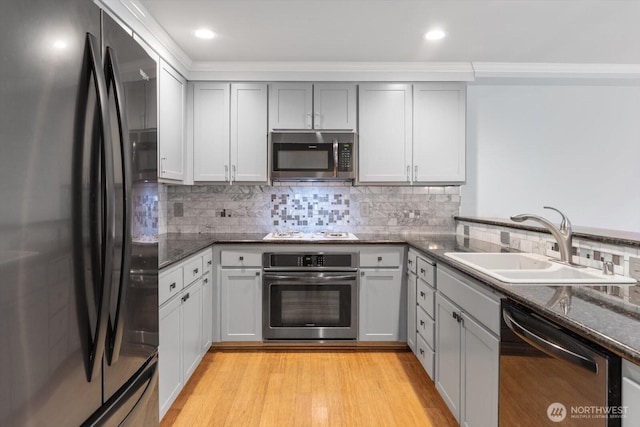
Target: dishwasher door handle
[{"x": 551, "y": 345}]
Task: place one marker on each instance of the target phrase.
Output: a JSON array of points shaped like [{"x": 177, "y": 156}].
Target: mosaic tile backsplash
[{"x": 309, "y": 207}]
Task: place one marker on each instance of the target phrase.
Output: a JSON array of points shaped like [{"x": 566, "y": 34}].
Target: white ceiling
[{"x": 544, "y": 31}]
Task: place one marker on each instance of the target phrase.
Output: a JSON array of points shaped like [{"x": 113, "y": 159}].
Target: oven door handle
[
  {"x": 551, "y": 345},
  {"x": 321, "y": 277}
]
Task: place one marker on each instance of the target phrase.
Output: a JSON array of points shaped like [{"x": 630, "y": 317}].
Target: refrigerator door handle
[
  {"x": 122, "y": 409},
  {"x": 115, "y": 325},
  {"x": 93, "y": 291}
]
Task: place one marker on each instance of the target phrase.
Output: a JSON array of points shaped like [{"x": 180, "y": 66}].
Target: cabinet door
[
  {"x": 448, "y": 347},
  {"x": 385, "y": 133},
  {"x": 171, "y": 129},
  {"x": 411, "y": 310},
  {"x": 290, "y": 105},
  {"x": 170, "y": 350},
  {"x": 249, "y": 132},
  {"x": 191, "y": 328},
  {"x": 211, "y": 132},
  {"x": 631, "y": 393},
  {"x": 439, "y": 111},
  {"x": 334, "y": 106},
  {"x": 382, "y": 306},
  {"x": 207, "y": 310},
  {"x": 241, "y": 305},
  {"x": 480, "y": 375}
]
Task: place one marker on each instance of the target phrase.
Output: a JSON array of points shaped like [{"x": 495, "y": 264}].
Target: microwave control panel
[{"x": 345, "y": 158}]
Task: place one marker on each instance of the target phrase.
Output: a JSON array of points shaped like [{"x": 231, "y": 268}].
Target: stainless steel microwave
[{"x": 313, "y": 155}]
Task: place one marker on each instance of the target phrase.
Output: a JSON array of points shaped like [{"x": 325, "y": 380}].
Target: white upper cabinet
[
  {"x": 249, "y": 132},
  {"x": 229, "y": 132},
  {"x": 211, "y": 131},
  {"x": 312, "y": 106},
  {"x": 439, "y": 111},
  {"x": 171, "y": 129},
  {"x": 385, "y": 132},
  {"x": 290, "y": 106},
  {"x": 334, "y": 106}
]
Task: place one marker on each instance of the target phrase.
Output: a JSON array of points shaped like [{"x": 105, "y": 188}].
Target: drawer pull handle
[
  {"x": 195, "y": 271},
  {"x": 379, "y": 258},
  {"x": 209, "y": 262},
  {"x": 457, "y": 316},
  {"x": 422, "y": 352},
  {"x": 422, "y": 270},
  {"x": 186, "y": 297},
  {"x": 241, "y": 258},
  {"x": 410, "y": 262},
  {"x": 422, "y": 323},
  {"x": 172, "y": 286},
  {"x": 206, "y": 280},
  {"x": 422, "y": 294}
]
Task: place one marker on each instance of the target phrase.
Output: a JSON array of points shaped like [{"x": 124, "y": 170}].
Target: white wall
[{"x": 574, "y": 147}]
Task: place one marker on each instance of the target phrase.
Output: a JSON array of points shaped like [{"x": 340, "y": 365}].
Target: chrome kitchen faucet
[{"x": 563, "y": 234}]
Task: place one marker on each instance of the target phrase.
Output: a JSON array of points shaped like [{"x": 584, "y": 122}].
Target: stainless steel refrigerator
[{"x": 78, "y": 219}]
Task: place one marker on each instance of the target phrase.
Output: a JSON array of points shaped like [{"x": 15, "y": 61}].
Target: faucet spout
[{"x": 563, "y": 234}]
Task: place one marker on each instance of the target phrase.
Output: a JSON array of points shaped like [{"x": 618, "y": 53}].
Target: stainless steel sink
[{"x": 534, "y": 269}]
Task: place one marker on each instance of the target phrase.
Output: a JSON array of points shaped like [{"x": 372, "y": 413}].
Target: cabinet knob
[
  {"x": 186, "y": 297},
  {"x": 379, "y": 258},
  {"x": 172, "y": 286},
  {"x": 410, "y": 261},
  {"x": 209, "y": 262},
  {"x": 423, "y": 271},
  {"x": 362, "y": 273},
  {"x": 195, "y": 271},
  {"x": 206, "y": 280},
  {"x": 422, "y": 294},
  {"x": 241, "y": 258},
  {"x": 257, "y": 273},
  {"x": 422, "y": 351},
  {"x": 422, "y": 323}
]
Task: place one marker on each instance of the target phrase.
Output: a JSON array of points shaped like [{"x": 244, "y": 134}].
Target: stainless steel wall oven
[{"x": 310, "y": 296}]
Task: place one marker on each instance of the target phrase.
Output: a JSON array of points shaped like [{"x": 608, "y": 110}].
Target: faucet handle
[{"x": 565, "y": 224}]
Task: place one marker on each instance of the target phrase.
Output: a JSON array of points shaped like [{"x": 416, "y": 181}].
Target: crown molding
[
  {"x": 506, "y": 70},
  {"x": 332, "y": 71},
  {"x": 141, "y": 22}
]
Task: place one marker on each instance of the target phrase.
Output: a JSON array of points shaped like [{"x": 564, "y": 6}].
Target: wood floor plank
[{"x": 309, "y": 388}]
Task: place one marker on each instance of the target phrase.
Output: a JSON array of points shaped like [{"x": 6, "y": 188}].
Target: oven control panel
[{"x": 310, "y": 260}]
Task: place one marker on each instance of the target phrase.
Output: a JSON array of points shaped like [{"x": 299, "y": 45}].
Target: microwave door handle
[
  {"x": 548, "y": 344},
  {"x": 335, "y": 158}
]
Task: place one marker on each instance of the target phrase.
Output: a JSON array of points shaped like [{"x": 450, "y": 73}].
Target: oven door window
[
  {"x": 310, "y": 306},
  {"x": 303, "y": 157}
]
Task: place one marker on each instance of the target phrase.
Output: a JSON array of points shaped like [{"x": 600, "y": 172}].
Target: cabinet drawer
[
  {"x": 426, "y": 297},
  {"x": 207, "y": 261},
  {"x": 425, "y": 355},
  {"x": 380, "y": 259},
  {"x": 240, "y": 259},
  {"x": 470, "y": 298},
  {"x": 169, "y": 284},
  {"x": 412, "y": 261},
  {"x": 426, "y": 327},
  {"x": 426, "y": 270},
  {"x": 192, "y": 269}
]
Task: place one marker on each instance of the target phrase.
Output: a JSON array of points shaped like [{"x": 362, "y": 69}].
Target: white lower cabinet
[
  {"x": 382, "y": 303},
  {"x": 411, "y": 311},
  {"x": 467, "y": 351},
  {"x": 170, "y": 347},
  {"x": 181, "y": 321},
  {"x": 630, "y": 394},
  {"x": 241, "y": 304},
  {"x": 207, "y": 310}
]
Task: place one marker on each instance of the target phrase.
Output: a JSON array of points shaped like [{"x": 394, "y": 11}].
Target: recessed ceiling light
[
  {"x": 60, "y": 44},
  {"x": 435, "y": 35},
  {"x": 204, "y": 33}
]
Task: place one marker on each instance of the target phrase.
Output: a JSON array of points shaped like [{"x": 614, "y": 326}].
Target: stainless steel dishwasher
[{"x": 550, "y": 376}]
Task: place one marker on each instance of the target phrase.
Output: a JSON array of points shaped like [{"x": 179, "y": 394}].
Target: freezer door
[
  {"x": 132, "y": 333},
  {"x": 48, "y": 318}
]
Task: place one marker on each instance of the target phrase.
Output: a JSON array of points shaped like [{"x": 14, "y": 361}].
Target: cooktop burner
[{"x": 299, "y": 235}]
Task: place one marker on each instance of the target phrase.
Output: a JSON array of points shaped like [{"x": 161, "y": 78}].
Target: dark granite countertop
[{"x": 607, "y": 320}]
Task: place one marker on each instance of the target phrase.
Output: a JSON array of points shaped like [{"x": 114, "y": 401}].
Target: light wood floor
[{"x": 309, "y": 389}]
